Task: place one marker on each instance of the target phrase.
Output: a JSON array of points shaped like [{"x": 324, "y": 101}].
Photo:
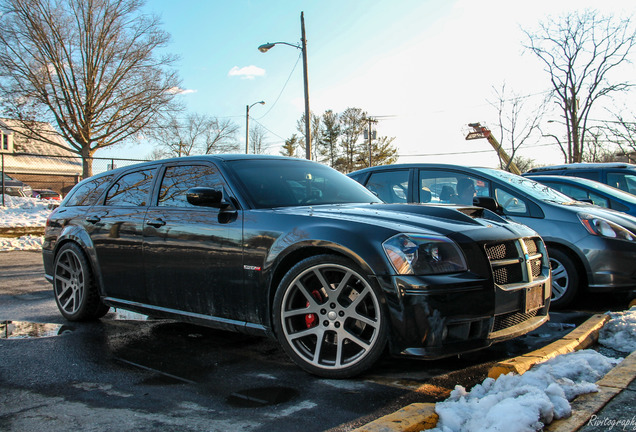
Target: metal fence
[{"x": 56, "y": 172}]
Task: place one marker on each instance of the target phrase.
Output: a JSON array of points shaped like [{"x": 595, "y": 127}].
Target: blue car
[
  {"x": 582, "y": 189},
  {"x": 591, "y": 249}
]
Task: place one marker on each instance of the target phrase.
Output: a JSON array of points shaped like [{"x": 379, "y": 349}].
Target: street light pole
[
  {"x": 303, "y": 47},
  {"x": 247, "y": 125}
]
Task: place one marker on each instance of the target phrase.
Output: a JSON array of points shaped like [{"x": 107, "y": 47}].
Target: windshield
[
  {"x": 530, "y": 187},
  {"x": 286, "y": 183}
]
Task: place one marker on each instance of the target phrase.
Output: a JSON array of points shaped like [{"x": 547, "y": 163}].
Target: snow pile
[
  {"x": 23, "y": 212},
  {"x": 524, "y": 402},
  {"x": 24, "y": 243},
  {"x": 620, "y": 332}
]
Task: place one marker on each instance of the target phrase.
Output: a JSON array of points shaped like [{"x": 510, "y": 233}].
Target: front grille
[
  {"x": 502, "y": 251},
  {"x": 511, "y": 319},
  {"x": 508, "y": 274},
  {"x": 517, "y": 261}
]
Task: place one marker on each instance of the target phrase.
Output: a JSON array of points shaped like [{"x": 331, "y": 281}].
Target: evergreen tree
[
  {"x": 330, "y": 133},
  {"x": 290, "y": 147},
  {"x": 352, "y": 125}
]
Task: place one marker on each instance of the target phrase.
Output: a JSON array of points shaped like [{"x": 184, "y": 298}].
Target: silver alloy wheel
[
  {"x": 330, "y": 316},
  {"x": 560, "y": 279},
  {"x": 69, "y": 282}
]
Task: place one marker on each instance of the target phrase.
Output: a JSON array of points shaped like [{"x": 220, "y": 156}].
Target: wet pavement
[{"x": 128, "y": 371}]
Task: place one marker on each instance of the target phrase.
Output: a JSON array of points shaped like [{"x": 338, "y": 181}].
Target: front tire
[
  {"x": 74, "y": 286},
  {"x": 565, "y": 279},
  {"x": 329, "y": 318}
]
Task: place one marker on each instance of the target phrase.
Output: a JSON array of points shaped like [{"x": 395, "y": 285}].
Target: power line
[{"x": 283, "y": 89}]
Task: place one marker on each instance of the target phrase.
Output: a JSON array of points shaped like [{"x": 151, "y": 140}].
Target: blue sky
[{"x": 429, "y": 65}]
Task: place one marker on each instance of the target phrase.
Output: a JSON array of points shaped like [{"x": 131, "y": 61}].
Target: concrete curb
[
  {"x": 20, "y": 231},
  {"x": 422, "y": 416},
  {"x": 581, "y": 337},
  {"x": 584, "y": 406}
]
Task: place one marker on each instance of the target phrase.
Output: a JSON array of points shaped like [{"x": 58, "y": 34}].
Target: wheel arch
[
  {"x": 576, "y": 259},
  {"x": 76, "y": 234},
  {"x": 295, "y": 255}
]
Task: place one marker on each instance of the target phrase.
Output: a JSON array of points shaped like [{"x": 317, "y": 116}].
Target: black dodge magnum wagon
[{"x": 297, "y": 251}]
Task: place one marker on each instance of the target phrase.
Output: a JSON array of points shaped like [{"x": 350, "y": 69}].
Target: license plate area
[{"x": 534, "y": 298}]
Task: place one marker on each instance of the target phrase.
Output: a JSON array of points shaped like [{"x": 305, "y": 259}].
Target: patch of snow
[
  {"x": 23, "y": 212},
  {"x": 23, "y": 243},
  {"x": 619, "y": 333},
  {"x": 528, "y": 402}
]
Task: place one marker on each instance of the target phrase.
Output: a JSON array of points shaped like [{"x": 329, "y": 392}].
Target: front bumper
[
  {"x": 440, "y": 316},
  {"x": 610, "y": 264}
]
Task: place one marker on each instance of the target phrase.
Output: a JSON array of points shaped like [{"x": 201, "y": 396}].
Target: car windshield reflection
[
  {"x": 531, "y": 187},
  {"x": 275, "y": 183}
]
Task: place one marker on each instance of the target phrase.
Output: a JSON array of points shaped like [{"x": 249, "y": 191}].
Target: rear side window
[
  {"x": 178, "y": 179},
  {"x": 390, "y": 186},
  {"x": 623, "y": 181},
  {"x": 592, "y": 175},
  {"x": 88, "y": 193},
  {"x": 133, "y": 189}
]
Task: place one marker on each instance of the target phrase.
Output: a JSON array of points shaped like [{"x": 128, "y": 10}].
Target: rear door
[{"x": 116, "y": 229}]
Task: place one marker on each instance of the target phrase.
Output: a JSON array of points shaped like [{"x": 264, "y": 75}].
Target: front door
[{"x": 193, "y": 255}]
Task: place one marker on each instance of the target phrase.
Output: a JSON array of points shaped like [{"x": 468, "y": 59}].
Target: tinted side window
[
  {"x": 390, "y": 186},
  {"x": 451, "y": 187},
  {"x": 592, "y": 175},
  {"x": 512, "y": 204},
  {"x": 88, "y": 193},
  {"x": 623, "y": 181},
  {"x": 178, "y": 179},
  {"x": 133, "y": 189}
]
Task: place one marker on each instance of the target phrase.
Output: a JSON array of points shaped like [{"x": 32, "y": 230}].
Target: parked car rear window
[
  {"x": 133, "y": 189},
  {"x": 281, "y": 183},
  {"x": 88, "y": 193}
]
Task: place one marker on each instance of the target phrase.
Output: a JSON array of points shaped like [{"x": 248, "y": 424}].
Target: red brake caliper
[{"x": 311, "y": 320}]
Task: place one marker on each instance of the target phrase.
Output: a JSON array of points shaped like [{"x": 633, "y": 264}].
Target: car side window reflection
[
  {"x": 131, "y": 190},
  {"x": 178, "y": 179},
  {"x": 511, "y": 203},
  {"x": 390, "y": 186},
  {"x": 89, "y": 193},
  {"x": 449, "y": 187}
]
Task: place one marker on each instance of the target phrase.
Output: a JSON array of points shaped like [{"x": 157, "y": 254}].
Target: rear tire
[
  {"x": 565, "y": 279},
  {"x": 74, "y": 286},
  {"x": 329, "y": 318}
]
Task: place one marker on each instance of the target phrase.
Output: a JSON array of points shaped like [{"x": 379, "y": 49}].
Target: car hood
[{"x": 473, "y": 222}]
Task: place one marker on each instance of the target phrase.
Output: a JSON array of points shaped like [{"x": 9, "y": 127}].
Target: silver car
[{"x": 590, "y": 248}]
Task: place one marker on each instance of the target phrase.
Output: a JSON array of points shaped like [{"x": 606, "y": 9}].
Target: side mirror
[
  {"x": 488, "y": 203},
  {"x": 206, "y": 197}
]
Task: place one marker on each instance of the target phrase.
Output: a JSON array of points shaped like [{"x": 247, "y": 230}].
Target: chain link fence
[{"x": 23, "y": 172}]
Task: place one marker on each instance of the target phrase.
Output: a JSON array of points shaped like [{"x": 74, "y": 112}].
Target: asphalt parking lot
[{"x": 126, "y": 371}]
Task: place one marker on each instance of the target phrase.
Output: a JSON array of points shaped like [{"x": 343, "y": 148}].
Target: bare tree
[
  {"x": 518, "y": 120},
  {"x": 257, "y": 140},
  {"x": 315, "y": 134},
  {"x": 579, "y": 52},
  {"x": 220, "y": 136},
  {"x": 89, "y": 67}
]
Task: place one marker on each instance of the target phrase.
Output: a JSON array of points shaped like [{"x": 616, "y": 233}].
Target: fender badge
[{"x": 253, "y": 268}]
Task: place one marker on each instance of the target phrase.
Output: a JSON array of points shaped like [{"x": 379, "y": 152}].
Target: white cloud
[
  {"x": 246, "y": 72},
  {"x": 180, "y": 91}
]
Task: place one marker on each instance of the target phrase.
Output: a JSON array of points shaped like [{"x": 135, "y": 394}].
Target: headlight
[
  {"x": 423, "y": 255},
  {"x": 604, "y": 228}
]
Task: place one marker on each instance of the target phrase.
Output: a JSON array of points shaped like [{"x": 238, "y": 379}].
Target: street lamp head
[{"x": 266, "y": 47}]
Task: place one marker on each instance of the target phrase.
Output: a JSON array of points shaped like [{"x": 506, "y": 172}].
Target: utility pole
[{"x": 370, "y": 136}]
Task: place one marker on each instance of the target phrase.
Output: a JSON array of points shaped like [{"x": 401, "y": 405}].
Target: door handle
[
  {"x": 93, "y": 219},
  {"x": 156, "y": 223}
]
